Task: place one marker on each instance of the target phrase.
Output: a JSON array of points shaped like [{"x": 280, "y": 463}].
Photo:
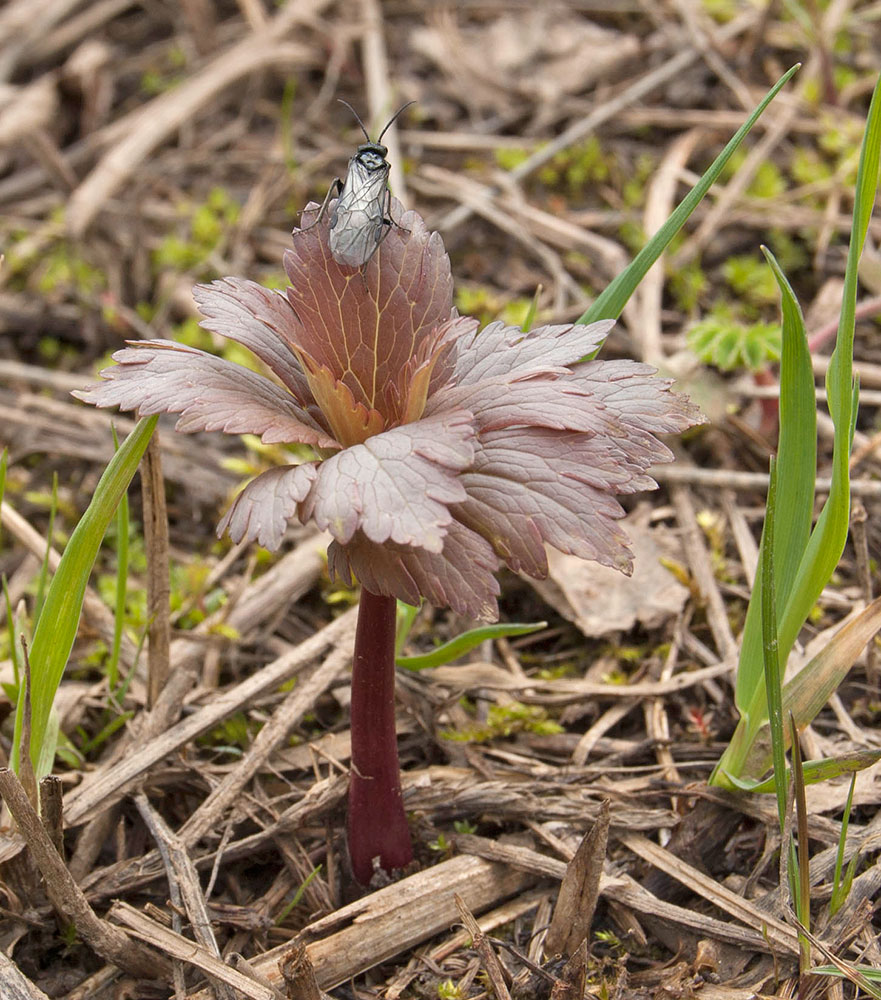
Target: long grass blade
[
  {"x": 770, "y": 655},
  {"x": 465, "y": 642},
  {"x": 841, "y": 889},
  {"x": 56, "y": 631},
  {"x": 613, "y": 298},
  {"x": 803, "y": 861},
  {"x": 43, "y": 578},
  {"x": 826, "y": 542}
]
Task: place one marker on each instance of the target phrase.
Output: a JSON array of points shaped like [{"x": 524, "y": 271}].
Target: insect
[{"x": 361, "y": 220}]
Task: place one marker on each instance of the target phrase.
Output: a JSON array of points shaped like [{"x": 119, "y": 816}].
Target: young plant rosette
[{"x": 441, "y": 451}]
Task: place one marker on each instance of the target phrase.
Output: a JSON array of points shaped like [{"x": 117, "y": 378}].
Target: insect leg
[
  {"x": 334, "y": 191},
  {"x": 387, "y": 219}
]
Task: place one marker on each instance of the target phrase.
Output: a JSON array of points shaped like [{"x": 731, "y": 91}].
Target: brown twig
[
  {"x": 68, "y": 899},
  {"x": 16, "y": 986},
  {"x": 491, "y": 963}
]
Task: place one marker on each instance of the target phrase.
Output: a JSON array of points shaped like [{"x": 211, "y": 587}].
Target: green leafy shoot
[
  {"x": 122, "y": 538},
  {"x": 298, "y": 895},
  {"x": 406, "y": 615},
  {"x": 804, "y": 560},
  {"x": 864, "y": 977},
  {"x": 611, "y": 301},
  {"x": 55, "y": 633},
  {"x": 465, "y": 642},
  {"x": 92, "y": 743},
  {"x": 721, "y": 340},
  {"x": 529, "y": 319},
  {"x": 815, "y": 771}
]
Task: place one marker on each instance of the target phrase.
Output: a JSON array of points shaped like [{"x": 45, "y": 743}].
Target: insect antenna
[
  {"x": 358, "y": 119},
  {"x": 393, "y": 117}
]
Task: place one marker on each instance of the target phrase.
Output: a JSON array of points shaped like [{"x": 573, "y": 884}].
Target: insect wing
[{"x": 359, "y": 222}]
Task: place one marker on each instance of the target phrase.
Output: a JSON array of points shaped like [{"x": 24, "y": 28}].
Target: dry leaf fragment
[
  {"x": 601, "y": 601},
  {"x": 579, "y": 890}
]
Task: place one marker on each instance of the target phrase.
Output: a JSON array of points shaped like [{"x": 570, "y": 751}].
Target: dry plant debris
[{"x": 145, "y": 148}]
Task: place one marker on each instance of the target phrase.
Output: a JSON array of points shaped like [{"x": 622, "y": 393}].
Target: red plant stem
[{"x": 377, "y": 823}]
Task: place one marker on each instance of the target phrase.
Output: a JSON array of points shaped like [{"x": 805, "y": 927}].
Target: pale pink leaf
[
  {"x": 210, "y": 394},
  {"x": 259, "y": 319},
  {"x": 260, "y": 513},
  {"x": 396, "y": 486},
  {"x": 501, "y": 351},
  {"x": 461, "y": 576}
]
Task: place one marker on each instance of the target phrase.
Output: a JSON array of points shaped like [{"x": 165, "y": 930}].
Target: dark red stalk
[{"x": 377, "y": 823}]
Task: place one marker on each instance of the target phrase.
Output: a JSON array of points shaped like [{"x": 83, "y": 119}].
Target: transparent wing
[{"x": 359, "y": 222}]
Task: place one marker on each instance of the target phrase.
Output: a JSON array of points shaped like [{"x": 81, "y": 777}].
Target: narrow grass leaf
[
  {"x": 815, "y": 771},
  {"x": 770, "y": 654},
  {"x": 862, "y": 976},
  {"x": 298, "y": 895},
  {"x": 56, "y": 631},
  {"x": 841, "y": 889},
  {"x": 796, "y": 476},
  {"x": 802, "y": 882},
  {"x": 43, "y": 577},
  {"x": 406, "y": 615},
  {"x": 826, "y": 541},
  {"x": 611, "y": 301},
  {"x": 464, "y": 643}
]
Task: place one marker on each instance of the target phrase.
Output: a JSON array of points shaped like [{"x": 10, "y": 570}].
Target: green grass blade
[
  {"x": 56, "y": 631},
  {"x": 802, "y": 881},
  {"x": 770, "y": 654},
  {"x": 611, "y": 301},
  {"x": 862, "y": 976},
  {"x": 809, "y": 690},
  {"x": 828, "y": 538},
  {"x": 796, "y": 475},
  {"x": 814, "y": 771},
  {"x": 840, "y": 890},
  {"x": 406, "y": 615},
  {"x": 464, "y": 643},
  {"x": 826, "y": 541}
]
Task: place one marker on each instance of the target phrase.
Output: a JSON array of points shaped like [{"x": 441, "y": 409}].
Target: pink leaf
[
  {"x": 259, "y": 319},
  {"x": 527, "y": 487},
  {"x": 397, "y": 485},
  {"x": 461, "y": 576},
  {"x": 500, "y": 351},
  {"x": 159, "y": 376},
  {"x": 368, "y": 326},
  {"x": 263, "y": 508}
]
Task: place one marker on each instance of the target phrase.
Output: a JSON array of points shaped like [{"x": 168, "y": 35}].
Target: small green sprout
[
  {"x": 728, "y": 343},
  {"x": 448, "y": 990}
]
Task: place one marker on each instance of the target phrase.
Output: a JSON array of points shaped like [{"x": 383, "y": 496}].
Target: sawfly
[{"x": 361, "y": 220}]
